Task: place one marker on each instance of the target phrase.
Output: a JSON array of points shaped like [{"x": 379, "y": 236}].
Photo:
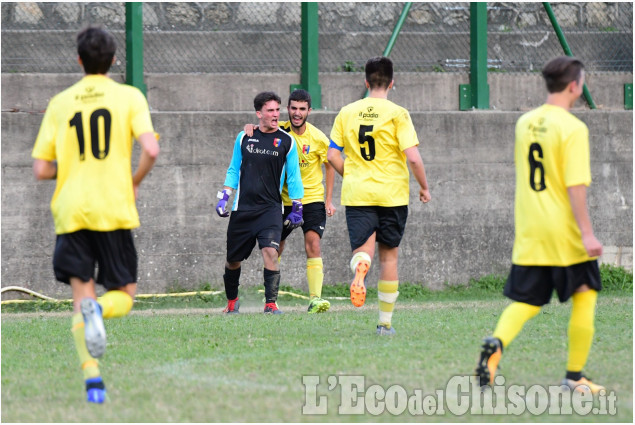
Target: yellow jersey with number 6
[
  {"x": 373, "y": 133},
  {"x": 551, "y": 154},
  {"x": 89, "y": 129}
]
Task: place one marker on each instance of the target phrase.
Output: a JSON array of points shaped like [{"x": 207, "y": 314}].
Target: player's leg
[
  {"x": 362, "y": 223},
  {"x": 74, "y": 264},
  {"x": 271, "y": 275},
  {"x": 387, "y": 287},
  {"x": 581, "y": 323},
  {"x": 285, "y": 231},
  {"x": 268, "y": 234},
  {"x": 530, "y": 288},
  {"x": 83, "y": 291},
  {"x": 392, "y": 223},
  {"x": 240, "y": 242},
  {"x": 313, "y": 227}
]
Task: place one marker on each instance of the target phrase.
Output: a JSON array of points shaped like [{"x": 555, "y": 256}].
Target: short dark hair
[
  {"x": 561, "y": 71},
  {"x": 264, "y": 97},
  {"x": 96, "y": 47},
  {"x": 379, "y": 72},
  {"x": 300, "y": 95}
]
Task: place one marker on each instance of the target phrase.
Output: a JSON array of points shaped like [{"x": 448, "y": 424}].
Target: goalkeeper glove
[
  {"x": 294, "y": 219},
  {"x": 221, "y": 206}
]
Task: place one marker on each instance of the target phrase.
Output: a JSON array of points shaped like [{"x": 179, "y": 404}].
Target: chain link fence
[{"x": 266, "y": 37}]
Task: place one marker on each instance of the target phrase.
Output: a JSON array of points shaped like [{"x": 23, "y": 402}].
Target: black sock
[
  {"x": 574, "y": 376},
  {"x": 231, "y": 278},
  {"x": 272, "y": 282}
]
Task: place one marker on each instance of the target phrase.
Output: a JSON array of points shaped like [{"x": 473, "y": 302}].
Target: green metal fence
[{"x": 266, "y": 37}]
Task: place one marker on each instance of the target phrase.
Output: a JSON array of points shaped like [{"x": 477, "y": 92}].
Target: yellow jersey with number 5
[
  {"x": 89, "y": 129},
  {"x": 551, "y": 154},
  {"x": 373, "y": 133}
]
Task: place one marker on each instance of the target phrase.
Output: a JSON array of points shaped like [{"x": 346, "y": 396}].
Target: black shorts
[
  {"x": 77, "y": 253},
  {"x": 535, "y": 284},
  {"x": 247, "y": 227},
  {"x": 388, "y": 222},
  {"x": 314, "y": 215}
]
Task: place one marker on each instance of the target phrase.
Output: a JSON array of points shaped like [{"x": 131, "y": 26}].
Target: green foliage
[
  {"x": 349, "y": 66},
  {"x": 616, "y": 278},
  {"x": 437, "y": 68}
]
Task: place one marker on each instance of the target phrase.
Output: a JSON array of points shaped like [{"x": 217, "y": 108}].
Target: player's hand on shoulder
[{"x": 249, "y": 129}]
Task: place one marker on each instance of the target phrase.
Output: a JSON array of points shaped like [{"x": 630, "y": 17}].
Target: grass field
[{"x": 170, "y": 364}]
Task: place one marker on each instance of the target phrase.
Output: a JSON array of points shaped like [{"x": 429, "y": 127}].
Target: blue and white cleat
[
  {"x": 95, "y": 390},
  {"x": 94, "y": 331}
]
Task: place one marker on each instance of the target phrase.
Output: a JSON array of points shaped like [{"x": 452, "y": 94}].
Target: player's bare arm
[
  {"x": 330, "y": 180},
  {"x": 334, "y": 157},
  {"x": 577, "y": 199},
  {"x": 418, "y": 170},
  {"x": 44, "y": 170},
  {"x": 149, "y": 152}
]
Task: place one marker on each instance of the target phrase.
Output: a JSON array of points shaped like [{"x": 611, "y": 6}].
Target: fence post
[
  {"x": 134, "y": 45},
  {"x": 565, "y": 47},
  {"x": 309, "y": 78},
  {"x": 395, "y": 33}
]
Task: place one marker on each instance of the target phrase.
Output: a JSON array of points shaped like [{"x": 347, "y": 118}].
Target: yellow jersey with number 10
[
  {"x": 89, "y": 129},
  {"x": 374, "y": 133},
  {"x": 551, "y": 154}
]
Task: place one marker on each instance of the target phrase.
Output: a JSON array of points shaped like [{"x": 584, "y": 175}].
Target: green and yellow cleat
[{"x": 318, "y": 305}]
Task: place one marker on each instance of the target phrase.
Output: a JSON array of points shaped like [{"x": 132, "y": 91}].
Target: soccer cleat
[
  {"x": 318, "y": 305},
  {"x": 94, "y": 331},
  {"x": 358, "y": 289},
  {"x": 385, "y": 330},
  {"x": 584, "y": 385},
  {"x": 232, "y": 306},
  {"x": 488, "y": 363},
  {"x": 95, "y": 390},
  {"x": 272, "y": 308}
]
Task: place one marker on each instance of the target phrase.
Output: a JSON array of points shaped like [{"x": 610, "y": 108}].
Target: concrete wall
[
  {"x": 465, "y": 231},
  {"x": 235, "y": 92}
]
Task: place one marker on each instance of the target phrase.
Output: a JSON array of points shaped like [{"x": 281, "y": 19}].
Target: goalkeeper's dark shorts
[
  {"x": 314, "y": 216},
  {"x": 388, "y": 222},
  {"x": 114, "y": 253},
  {"x": 535, "y": 284},
  {"x": 247, "y": 227}
]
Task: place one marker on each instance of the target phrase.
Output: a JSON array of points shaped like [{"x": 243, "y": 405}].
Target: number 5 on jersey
[{"x": 367, "y": 142}]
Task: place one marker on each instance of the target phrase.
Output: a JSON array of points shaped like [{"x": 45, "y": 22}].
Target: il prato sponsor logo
[
  {"x": 364, "y": 115},
  {"x": 252, "y": 149},
  {"x": 462, "y": 395}
]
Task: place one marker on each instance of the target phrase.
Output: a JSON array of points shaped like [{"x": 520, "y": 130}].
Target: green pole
[
  {"x": 309, "y": 78},
  {"x": 478, "y": 55},
  {"x": 396, "y": 31},
  {"x": 134, "y": 45},
  {"x": 565, "y": 47}
]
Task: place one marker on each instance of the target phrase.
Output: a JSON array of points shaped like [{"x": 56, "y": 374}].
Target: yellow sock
[
  {"x": 387, "y": 293},
  {"x": 315, "y": 276},
  {"x": 581, "y": 329},
  {"x": 90, "y": 366},
  {"x": 512, "y": 321},
  {"x": 115, "y": 304}
]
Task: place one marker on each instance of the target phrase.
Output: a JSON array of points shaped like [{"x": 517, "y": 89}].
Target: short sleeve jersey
[
  {"x": 259, "y": 167},
  {"x": 373, "y": 134},
  {"x": 312, "y": 147},
  {"x": 551, "y": 154},
  {"x": 89, "y": 129}
]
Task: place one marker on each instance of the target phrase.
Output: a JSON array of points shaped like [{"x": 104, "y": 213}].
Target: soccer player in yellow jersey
[
  {"x": 554, "y": 245},
  {"x": 380, "y": 142},
  {"x": 85, "y": 143},
  {"x": 312, "y": 147}
]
